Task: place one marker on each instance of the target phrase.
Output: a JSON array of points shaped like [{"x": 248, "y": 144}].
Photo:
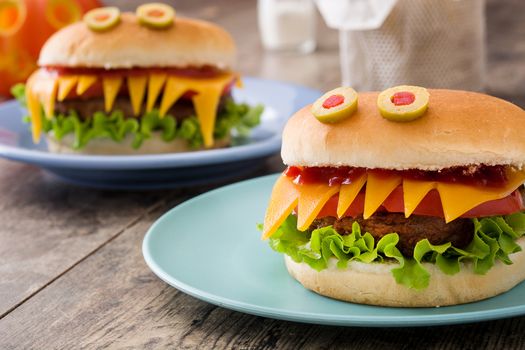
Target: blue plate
[
  {"x": 280, "y": 99},
  {"x": 222, "y": 260}
]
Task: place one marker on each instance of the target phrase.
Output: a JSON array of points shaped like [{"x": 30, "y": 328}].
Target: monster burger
[
  {"x": 409, "y": 197},
  {"x": 148, "y": 82}
]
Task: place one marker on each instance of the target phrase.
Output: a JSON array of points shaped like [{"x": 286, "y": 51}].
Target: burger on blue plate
[
  {"x": 144, "y": 82},
  {"x": 409, "y": 197}
]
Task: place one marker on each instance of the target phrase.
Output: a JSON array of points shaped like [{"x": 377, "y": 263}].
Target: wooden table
[{"x": 71, "y": 268}]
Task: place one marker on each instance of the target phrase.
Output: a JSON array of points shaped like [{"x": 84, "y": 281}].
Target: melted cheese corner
[
  {"x": 137, "y": 89},
  {"x": 312, "y": 198},
  {"x": 284, "y": 199}
]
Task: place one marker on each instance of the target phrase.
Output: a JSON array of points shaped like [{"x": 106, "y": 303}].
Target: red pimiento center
[
  {"x": 333, "y": 101},
  {"x": 403, "y": 98},
  {"x": 102, "y": 17},
  {"x": 155, "y": 13}
]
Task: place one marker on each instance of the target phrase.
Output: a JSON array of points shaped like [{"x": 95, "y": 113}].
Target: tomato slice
[
  {"x": 429, "y": 206},
  {"x": 355, "y": 209},
  {"x": 508, "y": 205}
]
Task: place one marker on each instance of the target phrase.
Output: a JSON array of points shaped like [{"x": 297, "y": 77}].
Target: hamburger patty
[
  {"x": 87, "y": 107},
  {"x": 410, "y": 230}
]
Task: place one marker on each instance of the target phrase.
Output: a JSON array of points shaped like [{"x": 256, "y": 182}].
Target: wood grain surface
[{"x": 71, "y": 268}]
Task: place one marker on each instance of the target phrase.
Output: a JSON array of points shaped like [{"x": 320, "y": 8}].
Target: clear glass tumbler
[{"x": 287, "y": 25}]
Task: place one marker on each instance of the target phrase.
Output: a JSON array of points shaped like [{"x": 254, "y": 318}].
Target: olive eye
[
  {"x": 335, "y": 105},
  {"x": 103, "y": 18},
  {"x": 156, "y": 15},
  {"x": 403, "y": 103}
]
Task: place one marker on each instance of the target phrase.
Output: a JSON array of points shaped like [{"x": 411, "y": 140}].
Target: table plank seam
[{"x": 130, "y": 224}]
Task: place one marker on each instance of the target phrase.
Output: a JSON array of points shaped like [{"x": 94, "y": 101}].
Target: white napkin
[{"x": 432, "y": 43}]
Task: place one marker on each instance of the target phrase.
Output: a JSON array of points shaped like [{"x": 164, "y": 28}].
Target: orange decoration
[{"x": 24, "y": 27}]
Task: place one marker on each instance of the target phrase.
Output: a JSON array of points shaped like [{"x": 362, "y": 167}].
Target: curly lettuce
[
  {"x": 235, "y": 119},
  {"x": 494, "y": 240}
]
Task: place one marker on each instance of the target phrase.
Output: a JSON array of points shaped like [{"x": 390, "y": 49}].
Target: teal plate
[{"x": 209, "y": 247}]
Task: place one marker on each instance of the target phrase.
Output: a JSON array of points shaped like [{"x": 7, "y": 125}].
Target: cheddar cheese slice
[
  {"x": 207, "y": 92},
  {"x": 283, "y": 200},
  {"x": 173, "y": 91},
  {"x": 111, "y": 86},
  {"x": 137, "y": 88},
  {"x": 348, "y": 193},
  {"x": 35, "y": 113},
  {"x": 413, "y": 193},
  {"x": 46, "y": 90},
  {"x": 457, "y": 199},
  {"x": 155, "y": 83},
  {"x": 65, "y": 85},
  {"x": 84, "y": 83},
  {"x": 238, "y": 81},
  {"x": 206, "y": 103},
  {"x": 378, "y": 187},
  {"x": 40, "y": 94},
  {"x": 312, "y": 198}
]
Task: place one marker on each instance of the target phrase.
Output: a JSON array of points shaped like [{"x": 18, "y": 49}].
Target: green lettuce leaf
[
  {"x": 236, "y": 119},
  {"x": 19, "y": 92},
  {"x": 494, "y": 239}
]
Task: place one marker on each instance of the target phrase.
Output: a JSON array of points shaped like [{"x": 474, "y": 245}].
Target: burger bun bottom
[
  {"x": 106, "y": 146},
  {"x": 374, "y": 284}
]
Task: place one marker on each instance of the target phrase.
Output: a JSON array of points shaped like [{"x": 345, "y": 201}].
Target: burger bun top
[
  {"x": 187, "y": 43},
  {"x": 459, "y": 128}
]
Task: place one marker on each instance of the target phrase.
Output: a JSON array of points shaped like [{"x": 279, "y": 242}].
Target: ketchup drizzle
[
  {"x": 193, "y": 72},
  {"x": 479, "y": 175}
]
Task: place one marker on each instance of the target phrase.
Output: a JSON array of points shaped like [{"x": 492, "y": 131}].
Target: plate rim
[
  {"x": 308, "y": 317},
  {"x": 154, "y": 161}
]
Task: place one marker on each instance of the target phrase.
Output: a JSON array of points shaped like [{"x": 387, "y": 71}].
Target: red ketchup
[
  {"x": 482, "y": 175},
  {"x": 330, "y": 175},
  {"x": 193, "y": 72}
]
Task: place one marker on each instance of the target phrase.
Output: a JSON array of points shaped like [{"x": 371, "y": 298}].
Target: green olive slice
[
  {"x": 403, "y": 103},
  {"x": 335, "y": 105},
  {"x": 102, "y": 18},
  {"x": 156, "y": 15}
]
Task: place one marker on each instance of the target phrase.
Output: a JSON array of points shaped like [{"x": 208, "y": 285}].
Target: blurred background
[{"x": 462, "y": 44}]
